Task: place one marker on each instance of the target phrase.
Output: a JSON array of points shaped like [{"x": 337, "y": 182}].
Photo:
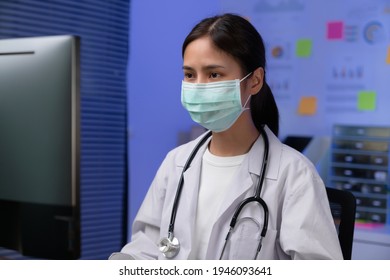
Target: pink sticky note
[{"x": 335, "y": 30}]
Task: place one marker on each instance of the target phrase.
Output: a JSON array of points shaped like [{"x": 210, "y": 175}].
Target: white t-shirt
[{"x": 216, "y": 174}]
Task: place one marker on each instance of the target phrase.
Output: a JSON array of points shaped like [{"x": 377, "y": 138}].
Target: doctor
[{"x": 224, "y": 89}]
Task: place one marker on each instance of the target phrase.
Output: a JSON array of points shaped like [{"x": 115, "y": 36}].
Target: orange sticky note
[
  {"x": 307, "y": 105},
  {"x": 388, "y": 56}
]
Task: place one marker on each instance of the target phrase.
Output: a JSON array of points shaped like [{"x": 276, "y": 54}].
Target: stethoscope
[{"x": 170, "y": 246}]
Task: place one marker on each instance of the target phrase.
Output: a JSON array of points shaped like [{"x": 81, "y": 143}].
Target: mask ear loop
[
  {"x": 244, "y": 108},
  {"x": 246, "y": 102},
  {"x": 246, "y": 77}
]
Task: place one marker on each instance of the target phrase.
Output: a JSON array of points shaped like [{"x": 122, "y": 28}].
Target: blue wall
[{"x": 156, "y": 116}]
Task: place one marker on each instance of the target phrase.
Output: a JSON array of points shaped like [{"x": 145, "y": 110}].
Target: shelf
[{"x": 359, "y": 163}]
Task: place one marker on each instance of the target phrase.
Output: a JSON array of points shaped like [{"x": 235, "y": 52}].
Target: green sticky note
[
  {"x": 366, "y": 100},
  {"x": 303, "y": 47}
]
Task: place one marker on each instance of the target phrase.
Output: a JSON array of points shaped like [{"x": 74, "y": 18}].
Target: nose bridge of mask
[
  {"x": 221, "y": 88},
  {"x": 207, "y": 92},
  {"x": 212, "y": 85}
]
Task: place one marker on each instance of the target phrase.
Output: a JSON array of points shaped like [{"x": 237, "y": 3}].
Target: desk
[{"x": 371, "y": 244}]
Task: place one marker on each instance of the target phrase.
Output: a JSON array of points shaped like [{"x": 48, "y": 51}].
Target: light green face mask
[{"x": 215, "y": 106}]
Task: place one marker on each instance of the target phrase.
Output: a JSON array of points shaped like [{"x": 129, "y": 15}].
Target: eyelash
[{"x": 212, "y": 75}]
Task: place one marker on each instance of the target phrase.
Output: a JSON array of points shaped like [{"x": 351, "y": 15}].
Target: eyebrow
[{"x": 207, "y": 67}]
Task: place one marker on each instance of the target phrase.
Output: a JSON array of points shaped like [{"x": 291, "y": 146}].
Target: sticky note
[
  {"x": 303, "y": 47},
  {"x": 388, "y": 56},
  {"x": 307, "y": 105},
  {"x": 366, "y": 100},
  {"x": 335, "y": 30}
]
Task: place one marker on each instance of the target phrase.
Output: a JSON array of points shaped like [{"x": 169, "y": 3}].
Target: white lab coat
[{"x": 300, "y": 223}]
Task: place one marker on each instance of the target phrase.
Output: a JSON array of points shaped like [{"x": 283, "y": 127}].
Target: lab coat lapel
[
  {"x": 249, "y": 173},
  {"x": 274, "y": 156},
  {"x": 242, "y": 182},
  {"x": 245, "y": 179},
  {"x": 188, "y": 204}
]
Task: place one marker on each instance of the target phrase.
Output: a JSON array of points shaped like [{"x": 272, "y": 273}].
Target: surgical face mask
[{"x": 215, "y": 106}]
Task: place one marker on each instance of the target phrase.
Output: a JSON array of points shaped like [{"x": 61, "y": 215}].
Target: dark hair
[{"x": 237, "y": 37}]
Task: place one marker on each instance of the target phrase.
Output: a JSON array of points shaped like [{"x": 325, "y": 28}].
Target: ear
[{"x": 256, "y": 81}]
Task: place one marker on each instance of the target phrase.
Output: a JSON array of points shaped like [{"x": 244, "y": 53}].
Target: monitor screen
[
  {"x": 299, "y": 143},
  {"x": 39, "y": 146}
]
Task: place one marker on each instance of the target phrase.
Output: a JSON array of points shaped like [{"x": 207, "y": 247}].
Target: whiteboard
[{"x": 328, "y": 62}]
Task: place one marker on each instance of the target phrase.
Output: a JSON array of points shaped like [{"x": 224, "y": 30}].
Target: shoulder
[
  {"x": 298, "y": 169},
  {"x": 299, "y": 174},
  {"x": 296, "y": 178},
  {"x": 286, "y": 161},
  {"x": 292, "y": 156}
]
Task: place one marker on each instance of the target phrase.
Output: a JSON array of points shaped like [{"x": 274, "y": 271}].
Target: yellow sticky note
[
  {"x": 307, "y": 105},
  {"x": 366, "y": 100},
  {"x": 388, "y": 56},
  {"x": 304, "y": 47}
]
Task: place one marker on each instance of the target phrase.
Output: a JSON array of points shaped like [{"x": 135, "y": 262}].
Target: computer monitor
[
  {"x": 39, "y": 146},
  {"x": 299, "y": 143}
]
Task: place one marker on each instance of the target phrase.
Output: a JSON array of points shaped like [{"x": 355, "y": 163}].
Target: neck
[{"x": 235, "y": 141}]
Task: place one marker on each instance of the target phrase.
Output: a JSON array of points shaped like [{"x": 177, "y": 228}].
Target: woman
[{"x": 224, "y": 89}]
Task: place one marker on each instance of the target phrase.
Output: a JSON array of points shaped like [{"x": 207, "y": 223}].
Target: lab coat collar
[
  {"x": 274, "y": 155},
  {"x": 255, "y": 154},
  {"x": 242, "y": 182},
  {"x": 251, "y": 165}
]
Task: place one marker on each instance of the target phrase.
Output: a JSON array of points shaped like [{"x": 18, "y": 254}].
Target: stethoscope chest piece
[{"x": 169, "y": 247}]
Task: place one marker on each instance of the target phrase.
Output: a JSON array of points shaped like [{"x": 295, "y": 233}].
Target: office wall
[{"x": 328, "y": 63}]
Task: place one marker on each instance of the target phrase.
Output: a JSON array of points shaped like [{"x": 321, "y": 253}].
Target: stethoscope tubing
[
  {"x": 245, "y": 202},
  {"x": 181, "y": 182},
  {"x": 255, "y": 198}
]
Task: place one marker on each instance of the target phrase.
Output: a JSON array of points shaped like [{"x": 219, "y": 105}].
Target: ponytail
[{"x": 264, "y": 109}]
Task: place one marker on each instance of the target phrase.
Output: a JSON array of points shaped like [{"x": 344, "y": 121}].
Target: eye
[
  {"x": 188, "y": 76},
  {"x": 214, "y": 75}
]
